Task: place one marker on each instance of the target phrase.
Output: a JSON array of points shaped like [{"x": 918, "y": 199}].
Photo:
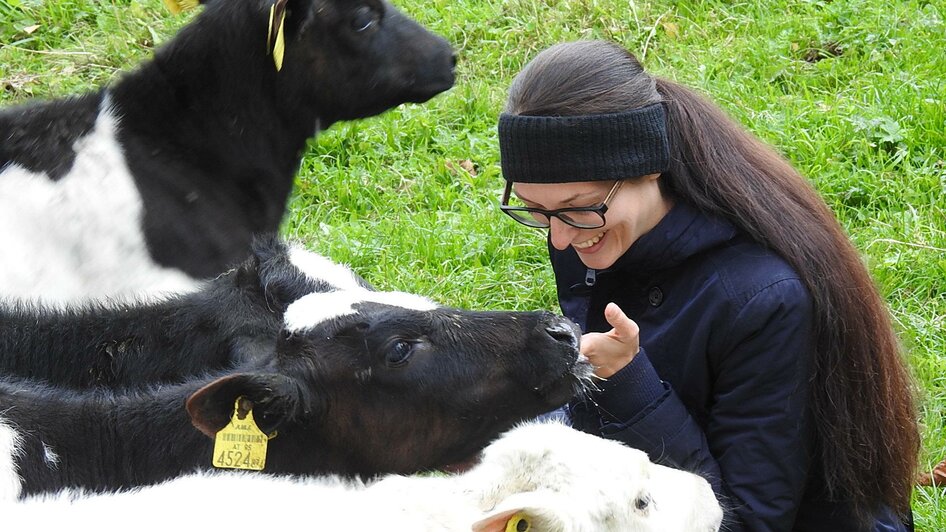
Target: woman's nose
[{"x": 562, "y": 234}]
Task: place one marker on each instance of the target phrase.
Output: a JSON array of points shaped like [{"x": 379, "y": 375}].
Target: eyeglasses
[{"x": 580, "y": 217}]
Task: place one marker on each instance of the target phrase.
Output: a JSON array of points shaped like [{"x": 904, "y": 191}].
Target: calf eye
[
  {"x": 364, "y": 18},
  {"x": 399, "y": 353},
  {"x": 642, "y": 502}
]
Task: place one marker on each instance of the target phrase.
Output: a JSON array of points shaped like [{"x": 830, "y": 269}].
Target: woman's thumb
[{"x": 623, "y": 326}]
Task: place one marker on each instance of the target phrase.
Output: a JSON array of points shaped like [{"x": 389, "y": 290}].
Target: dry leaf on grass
[
  {"x": 18, "y": 84},
  {"x": 936, "y": 477},
  {"x": 466, "y": 165},
  {"x": 672, "y": 30}
]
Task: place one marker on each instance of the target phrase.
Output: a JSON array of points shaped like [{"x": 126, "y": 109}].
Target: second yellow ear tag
[
  {"x": 518, "y": 523},
  {"x": 241, "y": 444},
  {"x": 276, "y": 37},
  {"x": 177, "y": 6}
]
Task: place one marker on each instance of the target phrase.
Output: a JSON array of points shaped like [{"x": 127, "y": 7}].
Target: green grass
[{"x": 851, "y": 91}]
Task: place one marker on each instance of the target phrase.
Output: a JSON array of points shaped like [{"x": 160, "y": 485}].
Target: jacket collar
[{"x": 682, "y": 233}]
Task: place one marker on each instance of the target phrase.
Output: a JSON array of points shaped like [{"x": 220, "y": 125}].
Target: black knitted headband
[{"x": 565, "y": 149}]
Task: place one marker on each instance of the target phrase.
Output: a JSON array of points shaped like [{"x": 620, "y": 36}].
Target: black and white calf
[
  {"x": 361, "y": 383},
  {"x": 230, "y": 321},
  {"x": 163, "y": 178}
]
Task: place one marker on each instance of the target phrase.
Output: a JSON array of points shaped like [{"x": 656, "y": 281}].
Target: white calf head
[{"x": 563, "y": 480}]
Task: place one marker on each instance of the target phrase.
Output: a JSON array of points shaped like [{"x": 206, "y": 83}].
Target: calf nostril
[
  {"x": 562, "y": 333},
  {"x": 453, "y": 60}
]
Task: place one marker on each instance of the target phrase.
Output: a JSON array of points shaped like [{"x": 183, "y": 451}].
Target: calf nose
[{"x": 563, "y": 332}]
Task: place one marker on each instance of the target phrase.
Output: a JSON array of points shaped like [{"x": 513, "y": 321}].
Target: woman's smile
[{"x": 587, "y": 245}]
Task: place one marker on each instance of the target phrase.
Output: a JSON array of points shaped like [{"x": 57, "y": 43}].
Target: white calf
[{"x": 556, "y": 478}]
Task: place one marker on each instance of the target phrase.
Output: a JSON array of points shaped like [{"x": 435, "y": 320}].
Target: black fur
[
  {"x": 213, "y": 134},
  {"x": 339, "y": 395},
  {"x": 234, "y": 319},
  {"x": 39, "y": 136}
]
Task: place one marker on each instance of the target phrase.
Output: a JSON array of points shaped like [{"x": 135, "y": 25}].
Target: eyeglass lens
[{"x": 580, "y": 219}]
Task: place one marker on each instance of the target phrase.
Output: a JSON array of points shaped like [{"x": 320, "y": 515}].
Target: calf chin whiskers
[
  {"x": 584, "y": 389},
  {"x": 585, "y": 381}
]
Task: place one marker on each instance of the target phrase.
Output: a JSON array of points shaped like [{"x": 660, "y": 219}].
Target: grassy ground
[{"x": 852, "y": 91}]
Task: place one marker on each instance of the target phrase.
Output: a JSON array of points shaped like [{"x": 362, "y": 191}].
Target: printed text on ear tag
[{"x": 241, "y": 444}]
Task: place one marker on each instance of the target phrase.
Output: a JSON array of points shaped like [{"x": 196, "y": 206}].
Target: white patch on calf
[
  {"x": 10, "y": 481},
  {"x": 80, "y": 238},
  {"x": 313, "y": 309},
  {"x": 319, "y": 268}
]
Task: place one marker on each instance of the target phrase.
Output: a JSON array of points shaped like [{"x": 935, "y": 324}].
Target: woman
[{"x": 765, "y": 359}]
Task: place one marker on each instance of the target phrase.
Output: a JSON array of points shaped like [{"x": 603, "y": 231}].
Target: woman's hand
[{"x": 609, "y": 352}]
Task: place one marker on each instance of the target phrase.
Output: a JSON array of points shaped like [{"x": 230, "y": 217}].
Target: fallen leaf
[
  {"x": 936, "y": 477},
  {"x": 672, "y": 30},
  {"x": 18, "y": 84},
  {"x": 466, "y": 165},
  {"x": 30, "y": 29}
]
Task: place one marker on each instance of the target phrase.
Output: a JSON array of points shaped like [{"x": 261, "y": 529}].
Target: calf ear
[
  {"x": 274, "y": 399},
  {"x": 538, "y": 510},
  {"x": 247, "y": 273},
  {"x": 269, "y": 273},
  {"x": 496, "y": 521}
]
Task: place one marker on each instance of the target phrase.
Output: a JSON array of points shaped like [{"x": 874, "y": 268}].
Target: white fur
[
  {"x": 563, "y": 480},
  {"x": 50, "y": 458},
  {"x": 313, "y": 309},
  {"x": 567, "y": 480},
  {"x": 319, "y": 268},
  {"x": 10, "y": 481},
  {"x": 62, "y": 239}
]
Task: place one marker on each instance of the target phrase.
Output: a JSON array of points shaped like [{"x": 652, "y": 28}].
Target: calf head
[
  {"x": 345, "y": 59},
  {"x": 376, "y": 382},
  {"x": 373, "y": 57},
  {"x": 563, "y": 480}
]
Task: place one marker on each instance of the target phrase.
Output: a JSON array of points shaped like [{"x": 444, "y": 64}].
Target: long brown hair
[{"x": 861, "y": 393}]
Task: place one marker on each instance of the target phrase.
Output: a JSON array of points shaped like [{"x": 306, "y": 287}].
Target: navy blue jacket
[{"x": 720, "y": 386}]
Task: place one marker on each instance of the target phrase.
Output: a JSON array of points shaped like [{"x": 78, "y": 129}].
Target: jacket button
[{"x": 655, "y": 296}]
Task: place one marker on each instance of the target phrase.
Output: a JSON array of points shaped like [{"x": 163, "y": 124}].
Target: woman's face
[{"x": 637, "y": 206}]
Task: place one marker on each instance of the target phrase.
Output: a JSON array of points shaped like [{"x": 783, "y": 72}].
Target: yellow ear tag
[
  {"x": 518, "y": 523},
  {"x": 241, "y": 444},
  {"x": 269, "y": 29},
  {"x": 277, "y": 14},
  {"x": 177, "y": 6},
  {"x": 279, "y": 48}
]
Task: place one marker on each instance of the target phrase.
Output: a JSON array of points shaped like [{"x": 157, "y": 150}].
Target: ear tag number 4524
[{"x": 241, "y": 444}]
